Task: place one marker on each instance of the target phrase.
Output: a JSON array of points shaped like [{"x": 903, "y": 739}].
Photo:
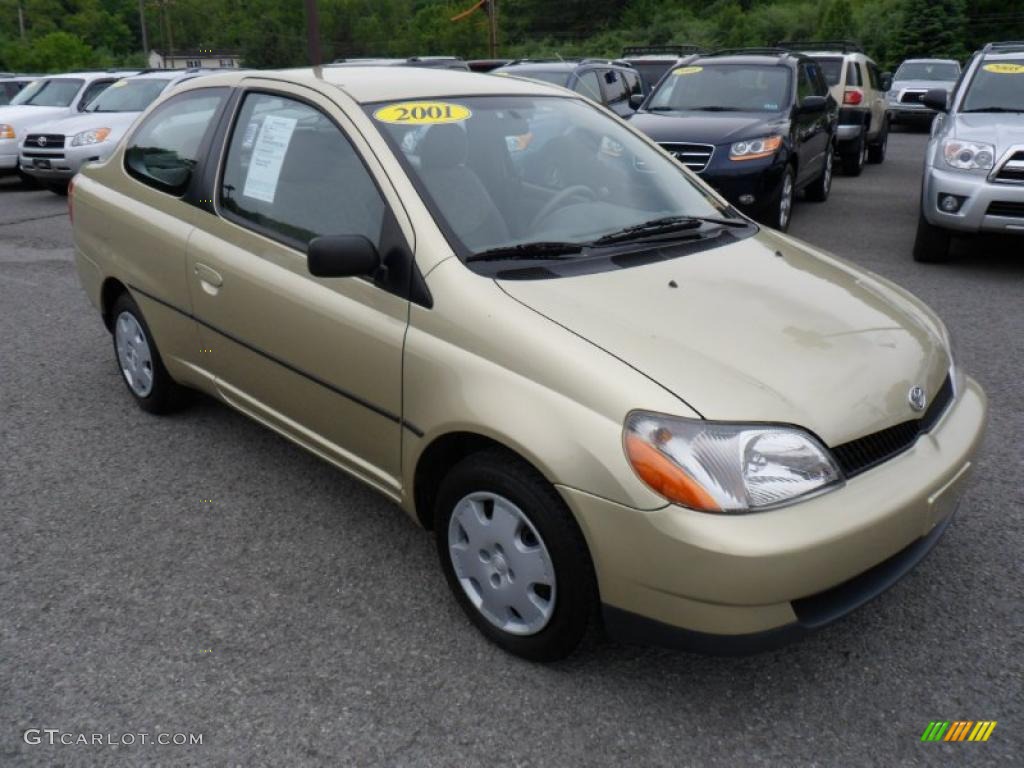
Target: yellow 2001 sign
[
  {"x": 422, "y": 113},
  {"x": 1005, "y": 69},
  {"x": 687, "y": 70}
]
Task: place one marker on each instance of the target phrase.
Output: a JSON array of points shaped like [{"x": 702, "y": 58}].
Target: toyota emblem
[
  {"x": 918, "y": 399},
  {"x": 41, "y": 141}
]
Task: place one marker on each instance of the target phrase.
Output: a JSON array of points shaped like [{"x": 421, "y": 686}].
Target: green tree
[{"x": 932, "y": 28}]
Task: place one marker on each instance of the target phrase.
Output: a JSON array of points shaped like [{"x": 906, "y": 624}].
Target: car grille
[
  {"x": 47, "y": 155},
  {"x": 45, "y": 140},
  {"x": 912, "y": 97},
  {"x": 1012, "y": 171},
  {"x": 871, "y": 450},
  {"x": 694, "y": 156},
  {"x": 1005, "y": 208}
]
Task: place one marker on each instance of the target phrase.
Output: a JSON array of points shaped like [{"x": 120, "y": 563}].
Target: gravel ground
[{"x": 300, "y": 619}]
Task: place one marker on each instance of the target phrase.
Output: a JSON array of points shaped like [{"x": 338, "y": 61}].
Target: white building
[{"x": 207, "y": 58}]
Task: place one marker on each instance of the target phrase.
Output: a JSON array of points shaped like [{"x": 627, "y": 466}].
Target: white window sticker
[{"x": 267, "y": 157}]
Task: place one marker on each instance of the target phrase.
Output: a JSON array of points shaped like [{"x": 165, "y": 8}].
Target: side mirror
[
  {"x": 886, "y": 81},
  {"x": 812, "y": 104},
  {"x": 342, "y": 256},
  {"x": 936, "y": 98},
  {"x": 636, "y": 100}
]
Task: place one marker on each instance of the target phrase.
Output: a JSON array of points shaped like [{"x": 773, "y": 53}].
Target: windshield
[
  {"x": 731, "y": 87},
  {"x": 997, "y": 86},
  {"x": 48, "y": 93},
  {"x": 832, "y": 69},
  {"x": 128, "y": 95},
  {"x": 554, "y": 77},
  {"x": 941, "y": 71},
  {"x": 499, "y": 171}
]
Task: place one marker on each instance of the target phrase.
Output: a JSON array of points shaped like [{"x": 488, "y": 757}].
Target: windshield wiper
[
  {"x": 993, "y": 109},
  {"x": 539, "y": 250},
  {"x": 665, "y": 225},
  {"x": 713, "y": 108}
]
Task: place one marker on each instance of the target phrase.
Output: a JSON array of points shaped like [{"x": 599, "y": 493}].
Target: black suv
[
  {"x": 614, "y": 84},
  {"x": 757, "y": 124}
]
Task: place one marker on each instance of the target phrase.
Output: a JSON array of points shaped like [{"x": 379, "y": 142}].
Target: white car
[
  {"x": 45, "y": 99},
  {"x": 54, "y": 151}
]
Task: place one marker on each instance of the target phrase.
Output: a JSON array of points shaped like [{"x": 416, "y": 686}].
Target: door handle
[{"x": 210, "y": 277}]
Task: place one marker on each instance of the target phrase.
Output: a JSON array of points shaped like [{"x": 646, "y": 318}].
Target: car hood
[
  {"x": 707, "y": 127},
  {"x": 117, "y": 122},
  {"x": 23, "y": 117},
  {"x": 921, "y": 85},
  {"x": 1001, "y": 129},
  {"x": 764, "y": 329}
]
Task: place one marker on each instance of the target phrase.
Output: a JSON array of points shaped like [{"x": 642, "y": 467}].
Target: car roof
[
  {"x": 930, "y": 61},
  {"x": 368, "y": 85},
  {"x": 761, "y": 59}
]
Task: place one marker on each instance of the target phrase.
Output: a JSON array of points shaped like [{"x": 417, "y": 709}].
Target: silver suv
[
  {"x": 974, "y": 164},
  {"x": 912, "y": 81}
]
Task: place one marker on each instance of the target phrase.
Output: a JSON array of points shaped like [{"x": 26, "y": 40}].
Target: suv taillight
[
  {"x": 853, "y": 97},
  {"x": 71, "y": 200}
]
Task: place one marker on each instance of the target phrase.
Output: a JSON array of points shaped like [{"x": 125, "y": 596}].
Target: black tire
[
  {"x": 819, "y": 189},
  {"x": 58, "y": 188},
  {"x": 931, "y": 244},
  {"x": 165, "y": 395},
  {"x": 575, "y": 591},
  {"x": 27, "y": 181},
  {"x": 854, "y": 157},
  {"x": 776, "y": 216},
  {"x": 876, "y": 150}
]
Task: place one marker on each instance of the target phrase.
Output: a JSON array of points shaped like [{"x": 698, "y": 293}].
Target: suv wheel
[
  {"x": 139, "y": 360},
  {"x": 514, "y": 556},
  {"x": 854, "y": 159},
  {"x": 821, "y": 186},
  {"x": 876, "y": 151},
  {"x": 931, "y": 244},
  {"x": 781, "y": 212}
]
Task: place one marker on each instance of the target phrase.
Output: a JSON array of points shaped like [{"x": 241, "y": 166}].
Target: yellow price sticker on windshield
[
  {"x": 687, "y": 70},
  {"x": 422, "y": 113},
  {"x": 1004, "y": 68},
  {"x": 120, "y": 84}
]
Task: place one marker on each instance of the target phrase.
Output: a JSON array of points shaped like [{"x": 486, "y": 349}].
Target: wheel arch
[{"x": 111, "y": 289}]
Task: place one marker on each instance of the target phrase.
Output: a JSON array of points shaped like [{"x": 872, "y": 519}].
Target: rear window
[
  {"x": 651, "y": 71},
  {"x": 832, "y": 69}
]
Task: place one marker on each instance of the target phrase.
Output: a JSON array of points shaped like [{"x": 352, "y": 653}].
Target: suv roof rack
[
  {"x": 846, "y": 46},
  {"x": 1005, "y": 46},
  {"x": 765, "y": 51},
  {"x": 684, "y": 49}
]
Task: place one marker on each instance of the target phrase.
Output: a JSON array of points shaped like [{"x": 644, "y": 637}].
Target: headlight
[
  {"x": 94, "y": 136},
  {"x": 720, "y": 467},
  {"x": 968, "y": 155},
  {"x": 7, "y": 131},
  {"x": 751, "y": 149}
]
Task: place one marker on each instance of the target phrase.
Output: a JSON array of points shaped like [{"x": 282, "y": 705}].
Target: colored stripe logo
[{"x": 958, "y": 730}]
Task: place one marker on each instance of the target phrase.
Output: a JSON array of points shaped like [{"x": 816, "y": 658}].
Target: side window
[
  {"x": 818, "y": 85},
  {"x": 588, "y": 85},
  {"x": 164, "y": 149},
  {"x": 291, "y": 174},
  {"x": 804, "y": 86},
  {"x": 633, "y": 83},
  {"x": 615, "y": 86},
  {"x": 92, "y": 90},
  {"x": 853, "y": 78},
  {"x": 874, "y": 77}
]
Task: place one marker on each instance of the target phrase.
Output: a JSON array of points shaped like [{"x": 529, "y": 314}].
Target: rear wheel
[
  {"x": 876, "y": 151},
  {"x": 854, "y": 158},
  {"x": 821, "y": 186},
  {"x": 139, "y": 360},
  {"x": 931, "y": 244},
  {"x": 514, "y": 556}
]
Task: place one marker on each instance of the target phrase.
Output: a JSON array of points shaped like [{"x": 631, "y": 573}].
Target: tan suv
[
  {"x": 607, "y": 392},
  {"x": 860, "y": 89}
]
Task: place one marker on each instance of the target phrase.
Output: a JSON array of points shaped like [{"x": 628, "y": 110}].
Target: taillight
[
  {"x": 71, "y": 200},
  {"x": 853, "y": 97}
]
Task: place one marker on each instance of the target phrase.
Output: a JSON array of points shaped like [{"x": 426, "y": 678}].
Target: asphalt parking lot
[{"x": 199, "y": 574}]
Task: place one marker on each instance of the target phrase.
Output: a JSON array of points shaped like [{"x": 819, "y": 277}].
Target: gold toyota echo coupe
[{"x": 610, "y": 395}]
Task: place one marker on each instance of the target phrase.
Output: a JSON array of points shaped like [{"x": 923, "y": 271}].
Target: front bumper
[
  {"x": 742, "y": 582},
  {"x": 909, "y": 112},
  {"x": 756, "y": 179},
  {"x": 62, "y": 163},
  {"x": 980, "y": 194}
]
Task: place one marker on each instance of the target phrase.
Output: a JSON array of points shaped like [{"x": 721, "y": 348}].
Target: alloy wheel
[{"x": 785, "y": 201}]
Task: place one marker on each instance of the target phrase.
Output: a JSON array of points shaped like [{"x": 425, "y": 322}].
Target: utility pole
[
  {"x": 313, "y": 33},
  {"x": 492, "y": 14},
  {"x": 142, "y": 26},
  {"x": 168, "y": 37},
  {"x": 21, "y": 20}
]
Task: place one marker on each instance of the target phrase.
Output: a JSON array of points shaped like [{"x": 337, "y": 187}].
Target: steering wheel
[{"x": 556, "y": 202}]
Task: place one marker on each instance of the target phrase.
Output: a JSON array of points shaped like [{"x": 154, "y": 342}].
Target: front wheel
[
  {"x": 514, "y": 556},
  {"x": 781, "y": 210},
  {"x": 931, "y": 244},
  {"x": 819, "y": 189}
]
